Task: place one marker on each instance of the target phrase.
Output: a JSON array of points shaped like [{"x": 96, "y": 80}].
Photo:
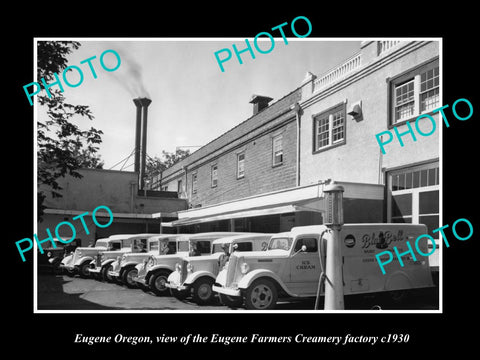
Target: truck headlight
[
  {"x": 123, "y": 258},
  {"x": 189, "y": 267},
  {"x": 151, "y": 261},
  {"x": 178, "y": 267},
  {"x": 79, "y": 253},
  {"x": 49, "y": 254},
  {"x": 244, "y": 268}
]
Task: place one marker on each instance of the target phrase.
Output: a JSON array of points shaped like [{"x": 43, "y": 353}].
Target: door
[{"x": 305, "y": 266}]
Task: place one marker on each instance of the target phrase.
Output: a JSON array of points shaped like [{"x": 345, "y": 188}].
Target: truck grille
[
  {"x": 232, "y": 265},
  {"x": 184, "y": 271}
]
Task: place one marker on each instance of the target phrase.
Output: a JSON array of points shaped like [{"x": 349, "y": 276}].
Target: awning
[
  {"x": 285, "y": 209},
  {"x": 304, "y": 198}
]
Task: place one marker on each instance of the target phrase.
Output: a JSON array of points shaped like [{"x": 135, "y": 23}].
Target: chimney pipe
[
  {"x": 259, "y": 103},
  {"x": 145, "y": 103},
  {"x": 138, "y": 132}
]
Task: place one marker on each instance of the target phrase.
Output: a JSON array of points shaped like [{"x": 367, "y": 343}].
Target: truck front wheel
[
  {"x": 202, "y": 291},
  {"x": 261, "y": 295},
  {"x": 83, "y": 270},
  {"x": 157, "y": 282}
]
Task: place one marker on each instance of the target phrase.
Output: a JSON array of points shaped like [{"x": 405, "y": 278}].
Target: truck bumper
[
  {"x": 94, "y": 270},
  {"x": 114, "y": 274},
  {"x": 226, "y": 291},
  {"x": 177, "y": 286}
]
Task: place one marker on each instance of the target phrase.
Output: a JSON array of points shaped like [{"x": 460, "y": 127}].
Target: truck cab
[
  {"x": 52, "y": 256},
  {"x": 294, "y": 263},
  {"x": 153, "y": 273},
  {"x": 124, "y": 270},
  {"x": 79, "y": 261},
  {"x": 120, "y": 244},
  {"x": 195, "y": 275}
]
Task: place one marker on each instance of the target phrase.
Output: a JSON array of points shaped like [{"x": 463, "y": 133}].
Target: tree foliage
[
  {"x": 157, "y": 165},
  {"x": 62, "y": 147}
]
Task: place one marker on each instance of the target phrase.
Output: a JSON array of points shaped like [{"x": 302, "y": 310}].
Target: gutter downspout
[{"x": 298, "y": 112}]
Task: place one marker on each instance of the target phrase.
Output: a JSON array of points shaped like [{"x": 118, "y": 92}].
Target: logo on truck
[{"x": 381, "y": 240}]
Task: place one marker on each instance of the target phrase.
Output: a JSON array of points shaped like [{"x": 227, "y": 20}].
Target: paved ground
[{"x": 60, "y": 292}]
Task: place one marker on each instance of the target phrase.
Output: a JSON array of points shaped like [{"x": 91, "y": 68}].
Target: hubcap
[
  {"x": 204, "y": 291},
  {"x": 261, "y": 296},
  {"x": 160, "y": 282},
  {"x": 130, "y": 275}
]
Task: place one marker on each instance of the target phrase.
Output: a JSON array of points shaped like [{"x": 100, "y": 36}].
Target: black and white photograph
[{"x": 268, "y": 185}]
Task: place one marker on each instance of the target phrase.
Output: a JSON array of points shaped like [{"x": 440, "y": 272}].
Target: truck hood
[
  {"x": 196, "y": 259},
  {"x": 268, "y": 254}
]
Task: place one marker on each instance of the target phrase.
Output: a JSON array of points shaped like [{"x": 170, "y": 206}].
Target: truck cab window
[{"x": 310, "y": 243}]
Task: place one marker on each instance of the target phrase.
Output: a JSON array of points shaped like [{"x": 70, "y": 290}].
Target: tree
[
  {"x": 63, "y": 147},
  {"x": 158, "y": 165}
]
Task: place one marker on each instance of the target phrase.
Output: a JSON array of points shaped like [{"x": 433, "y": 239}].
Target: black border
[{"x": 430, "y": 334}]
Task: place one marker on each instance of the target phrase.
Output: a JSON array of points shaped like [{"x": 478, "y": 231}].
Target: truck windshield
[
  {"x": 217, "y": 248},
  {"x": 101, "y": 243},
  {"x": 280, "y": 243}
]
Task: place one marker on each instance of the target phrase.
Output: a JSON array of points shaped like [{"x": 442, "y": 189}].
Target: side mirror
[{"x": 302, "y": 249}]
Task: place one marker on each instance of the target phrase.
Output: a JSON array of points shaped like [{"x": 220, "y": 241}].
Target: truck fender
[
  {"x": 130, "y": 263},
  {"x": 398, "y": 280},
  {"x": 107, "y": 262},
  {"x": 156, "y": 268},
  {"x": 253, "y": 275},
  {"x": 82, "y": 260},
  {"x": 191, "y": 278}
]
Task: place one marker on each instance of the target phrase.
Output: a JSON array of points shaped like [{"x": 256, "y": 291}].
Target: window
[
  {"x": 310, "y": 244},
  {"x": 329, "y": 128},
  {"x": 214, "y": 175},
  {"x": 194, "y": 183},
  {"x": 415, "y": 93},
  {"x": 414, "y": 196},
  {"x": 277, "y": 150},
  {"x": 179, "y": 186},
  {"x": 240, "y": 165}
]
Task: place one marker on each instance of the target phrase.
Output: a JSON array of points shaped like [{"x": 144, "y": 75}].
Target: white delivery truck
[{"x": 294, "y": 262}]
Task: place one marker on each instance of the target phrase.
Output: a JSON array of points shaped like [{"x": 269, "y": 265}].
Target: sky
[{"x": 193, "y": 101}]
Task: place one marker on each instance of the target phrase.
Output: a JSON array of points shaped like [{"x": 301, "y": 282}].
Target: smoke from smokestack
[{"x": 130, "y": 74}]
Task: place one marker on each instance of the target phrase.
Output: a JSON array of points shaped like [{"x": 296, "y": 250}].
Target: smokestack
[
  {"x": 138, "y": 134},
  {"x": 141, "y": 138}
]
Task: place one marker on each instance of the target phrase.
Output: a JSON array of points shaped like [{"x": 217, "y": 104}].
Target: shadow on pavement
[{"x": 51, "y": 296}]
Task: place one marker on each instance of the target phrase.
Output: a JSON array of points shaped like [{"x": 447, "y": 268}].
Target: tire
[
  {"x": 178, "y": 294},
  {"x": 261, "y": 295},
  {"x": 104, "y": 273},
  {"x": 70, "y": 273},
  {"x": 202, "y": 291},
  {"x": 157, "y": 282},
  {"x": 83, "y": 270},
  {"x": 127, "y": 277},
  {"x": 231, "y": 301}
]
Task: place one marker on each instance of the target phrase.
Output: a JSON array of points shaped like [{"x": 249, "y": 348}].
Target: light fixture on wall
[{"x": 355, "y": 111}]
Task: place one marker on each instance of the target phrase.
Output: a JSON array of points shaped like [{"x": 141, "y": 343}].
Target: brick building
[{"x": 267, "y": 173}]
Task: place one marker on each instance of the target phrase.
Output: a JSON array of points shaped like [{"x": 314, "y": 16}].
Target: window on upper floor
[
  {"x": 277, "y": 150},
  {"x": 414, "y": 93},
  {"x": 214, "y": 175},
  {"x": 179, "y": 186},
  {"x": 240, "y": 165},
  {"x": 329, "y": 128},
  {"x": 194, "y": 183}
]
